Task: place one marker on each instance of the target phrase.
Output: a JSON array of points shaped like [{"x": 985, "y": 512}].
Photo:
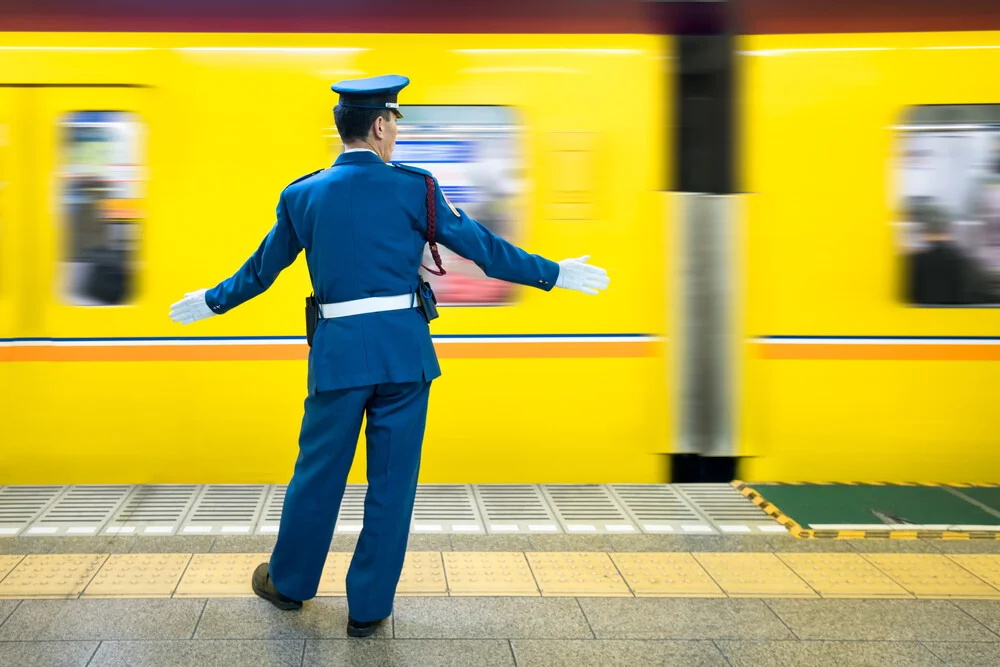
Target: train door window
[
  {"x": 476, "y": 156},
  {"x": 100, "y": 191},
  {"x": 947, "y": 202}
]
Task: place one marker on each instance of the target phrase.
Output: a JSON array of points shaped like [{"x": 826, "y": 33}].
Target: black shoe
[
  {"x": 366, "y": 629},
  {"x": 264, "y": 587}
]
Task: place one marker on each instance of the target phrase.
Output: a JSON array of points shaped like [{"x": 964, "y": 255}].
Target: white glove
[
  {"x": 575, "y": 274},
  {"x": 191, "y": 308}
]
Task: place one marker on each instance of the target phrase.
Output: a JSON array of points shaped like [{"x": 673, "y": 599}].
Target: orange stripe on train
[
  {"x": 299, "y": 352},
  {"x": 886, "y": 352}
]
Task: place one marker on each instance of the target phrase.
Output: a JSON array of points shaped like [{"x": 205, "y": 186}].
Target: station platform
[{"x": 749, "y": 587}]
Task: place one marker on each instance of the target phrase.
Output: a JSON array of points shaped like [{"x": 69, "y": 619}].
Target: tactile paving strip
[
  {"x": 219, "y": 575},
  {"x": 51, "y": 576},
  {"x": 333, "y": 581},
  {"x": 588, "y": 573},
  {"x": 666, "y": 575},
  {"x": 932, "y": 576},
  {"x": 835, "y": 575},
  {"x": 489, "y": 573},
  {"x": 984, "y": 566},
  {"x": 423, "y": 574},
  {"x": 754, "y": 575},
  {"x": 7, "y": 564},
  {"x": 138, "y": 576}
]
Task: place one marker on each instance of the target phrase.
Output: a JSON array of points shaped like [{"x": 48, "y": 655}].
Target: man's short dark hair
[{"x": 354, "y": 123}]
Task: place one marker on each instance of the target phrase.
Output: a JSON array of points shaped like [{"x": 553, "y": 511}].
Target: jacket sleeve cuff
[{"x": 550, "y": 274}]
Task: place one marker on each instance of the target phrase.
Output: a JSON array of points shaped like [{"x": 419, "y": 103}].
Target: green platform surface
[{"x": 812, "y": 505}]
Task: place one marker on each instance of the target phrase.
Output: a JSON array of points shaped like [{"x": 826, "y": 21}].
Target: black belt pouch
[{"x": 312, "y": 318}]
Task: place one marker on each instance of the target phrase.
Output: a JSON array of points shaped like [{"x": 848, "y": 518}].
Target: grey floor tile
[
  {"x": 27, "y": 545},
  {"x": 968, "y": 546},
  {"x": 894, "y": 546},
  {"x": 490, "y": 618},
  {"x": 173, "y": 544},
  {"x": 113, "y": 544},
  {"x": 203, "y": 653},
  {"x": 429, "y": 543},
  {"x": 680, "y": 618},
  {"x": 690, "y": 543},
  {"x": 888, "y": 620},
  {"x": 46, "y": 654},
  {"x": 7, "y": 608},
  {"x": 797, "y": 653},
  {"x": 627, "y": 653},
  {"x": 789, "y": 544},
  {"x": 253, "y": 618},
  {"x": 409, "y": 652},
  {"x": 570, "y": 543},
  {"x": 343, "y": 542},
  {"x": 986, "y": 612},
  {"x": 244, "y": 544},
  {"x": 490, "y": 543},
  {"x": 959, "y": 653},
  {"x": 37, "y": 620}
]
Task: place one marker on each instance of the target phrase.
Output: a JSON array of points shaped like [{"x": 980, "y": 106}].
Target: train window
[
  {"x": 475, "y": 153},
  {"x": 948, "y": 205},
  {"x": 101, "y": 191}
]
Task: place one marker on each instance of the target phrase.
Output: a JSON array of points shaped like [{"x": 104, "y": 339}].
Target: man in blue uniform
[{"x": 363, "y": 224}]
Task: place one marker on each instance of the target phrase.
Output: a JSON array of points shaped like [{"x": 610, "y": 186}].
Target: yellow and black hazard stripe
[{"x": 793, "y": 527}]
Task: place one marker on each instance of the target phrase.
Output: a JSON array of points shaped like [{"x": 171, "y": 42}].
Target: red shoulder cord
[{"x": 431, "y": 221}]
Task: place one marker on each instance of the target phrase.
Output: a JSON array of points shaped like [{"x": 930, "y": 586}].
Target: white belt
[{"x": 374, "y": 304}]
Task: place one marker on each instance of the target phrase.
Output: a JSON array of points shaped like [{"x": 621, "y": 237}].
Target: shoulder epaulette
[
  {"x": 302, "y": 178},
  {"x": 412, "y": 169}
]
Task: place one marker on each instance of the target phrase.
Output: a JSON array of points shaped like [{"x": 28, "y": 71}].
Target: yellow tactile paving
[
  {"x": 754, "y": 575},
  {"x": 489, "y": 573},
  {"x": 51, "y": 576},
  {"x": 740, "y": 574},
  {"x": 666, "y": 575},
  {"x": 932, "y": 576},
  {"x": 219, "y": 575},
  {"x": 984, "y": 566},
  {"x": 7, "y": 564},
  {"x": 423, "y": 574},
  {"x": 587, "y": 573},
  {"x": 838, "y": 575},
  {"x": 333, "y": 583},
  {"x": 138, "y": 576}
]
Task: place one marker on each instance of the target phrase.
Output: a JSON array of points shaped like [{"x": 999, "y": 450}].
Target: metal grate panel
[
  {"x": 225, "y": 509},
  {"x": 587, "y": 508},
  {"x": 81, "y": 510},
  {"x": 511, "y": 508},
  {"x": 659, "y": 508},
  {"x": 19, "y": 505},
  {"x": 153, "y": 510},
  {"x": 270, "y": 517},
  {"x": 446, "y": 508},
  {"x": 727, "y": 508},
  {"x": 352, "y": 509}
]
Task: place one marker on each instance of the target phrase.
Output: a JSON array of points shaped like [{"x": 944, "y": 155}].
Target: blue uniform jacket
[{"x": 363, "y": 225}]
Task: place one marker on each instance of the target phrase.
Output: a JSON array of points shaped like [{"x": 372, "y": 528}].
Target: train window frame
[
  {"x": 99, "y": 267},
  {"x": 945, "y": 198},
  {"x": 490, "y": 140}
]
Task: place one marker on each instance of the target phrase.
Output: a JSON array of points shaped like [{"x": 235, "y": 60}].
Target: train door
[
  {"x": 72, "y": 219},
  {"x": 87, "y": 211}
]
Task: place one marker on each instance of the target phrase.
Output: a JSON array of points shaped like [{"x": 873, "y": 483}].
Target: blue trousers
[{"x": 396, "y": 415}]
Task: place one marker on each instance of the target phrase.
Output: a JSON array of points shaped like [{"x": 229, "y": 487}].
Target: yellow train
[
  {"x": 190, "y": 138},
  {"x": 831, "y": 375}
]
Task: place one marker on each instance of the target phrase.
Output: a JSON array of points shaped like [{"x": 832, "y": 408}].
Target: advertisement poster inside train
[
  {"x": 101, "y": 191},
  {"x": 474, "y": 154},
  {"x": 949, "y": 207}
]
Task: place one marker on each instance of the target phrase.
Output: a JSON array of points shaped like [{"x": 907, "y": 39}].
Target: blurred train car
[
  {"x": 850, "y": 378},
  {"x": 142, "y": 163}
]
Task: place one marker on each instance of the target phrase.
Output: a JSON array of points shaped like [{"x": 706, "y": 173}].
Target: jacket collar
[{"x": 358, "y": 157}]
